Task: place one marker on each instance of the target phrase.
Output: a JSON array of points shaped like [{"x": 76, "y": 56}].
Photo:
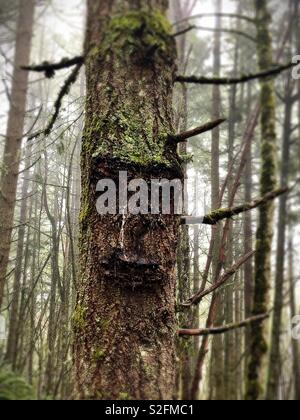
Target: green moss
[
  {"x": 78, "y": 317},
  {"x": 98, "y": 355},
  {"x": 127, "y": 32},
  {"x": 102, "y": 324},
  {"x": 124, "y": 396},
  {"x": 186, "y": 158},
  {"x": 129, "y": 131},
  {"x": 128, "y": 136}
]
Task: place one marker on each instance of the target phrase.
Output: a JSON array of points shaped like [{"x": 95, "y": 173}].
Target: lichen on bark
[
  {"x": 131, "y": 130},
  {"x": 127, "y": 285},
  {"x": 267, "y": 184}
]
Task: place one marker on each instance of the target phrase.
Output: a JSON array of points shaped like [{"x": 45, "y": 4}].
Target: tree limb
[
  {"x": 222, "y": 330},
  {"x": 177, "y": 138},
  {"x": 58, "y": 103},
  {"x": 197, "y": 298},
  {"x": 235, "y": 80},
  {"x": 50, "y": 68},
  {"x": 222, "y": 30},
  {"x": 227, "y": 213},
  {"x": 230, "y": 15}
]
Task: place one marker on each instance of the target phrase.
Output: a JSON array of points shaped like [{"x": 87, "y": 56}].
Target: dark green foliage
[{"x": 14, "y": 388}]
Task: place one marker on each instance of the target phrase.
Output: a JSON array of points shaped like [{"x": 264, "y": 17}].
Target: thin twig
[
  {"x": 197, "y": 298},
  {"x": 235, "y": 80},
  {"x": 222, "y": 330},
  {"x": 58, "y": 103}
]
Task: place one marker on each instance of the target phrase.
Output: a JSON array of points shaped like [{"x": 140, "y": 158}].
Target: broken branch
[
  {"x": 196, "y": 131},
  {"x": 222, "y": 330},
  {"x": 197, "y": 298}
]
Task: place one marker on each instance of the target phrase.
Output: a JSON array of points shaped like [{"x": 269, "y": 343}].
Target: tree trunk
[
  {"x": 217, "y": 359},
  {"x": 274, "y": 362},
  {"x": 267, "y": 183},
  {"x": 14, "y": 134},
  {"x": 125, "y": 315},
  {"x": 230, "y": 343},
  {"x": 12, "y": 342},
  {"x": 293, "y": 307},
  {"x": 248, "y": 239}
]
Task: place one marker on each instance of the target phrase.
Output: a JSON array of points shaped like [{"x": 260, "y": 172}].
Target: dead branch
[
  {"x": 235, "y": 80},
  {"x": 184, "y": 31},
  {"x": 229, "y": 15},
  {"x": 50, "y": 68},
  {"x": 197, "y": 298},
  {"x": 222, "y": 30},
  {"x": 58, "y": 103},
  {"x": 196, "y": 131},
  {"x": 227, "y": 213},
  {"x": 225, "y": 329}
]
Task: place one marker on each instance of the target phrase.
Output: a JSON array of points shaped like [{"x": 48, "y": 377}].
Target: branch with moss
[
  {"x": 222, "y": 330},
  {"x": 227, "y": 213},
  {"x": 275, "y": 71},
  {"x": 58, "y": 103},
  {"x": 178, "y": 138},
  {"x": 50, "y": 68},
  {"x": 197, "y": 298}
]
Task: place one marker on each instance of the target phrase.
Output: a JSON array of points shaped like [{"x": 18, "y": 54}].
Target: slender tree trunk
[
  {"x": 196, "y": 268},
  {"x": 295, "y": 346},
  {"x": 125, "y": 315},
  {"x": 14, "y": 134},
  {"x": 217, "y": 359},
  {"x": 230, "y": 342},
  {"x": 248, "y": 239},
  {"x": 267, "y": 184},
  {"x": 12, "y": 342},
  {"x": 274, "y": 362}
]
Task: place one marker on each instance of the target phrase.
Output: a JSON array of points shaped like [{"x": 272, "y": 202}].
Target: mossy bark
[
  {"x": 267, "y": 184},
  {"x": 125, "y": 320}
]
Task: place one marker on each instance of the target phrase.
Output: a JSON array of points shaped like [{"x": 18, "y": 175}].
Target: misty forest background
[{"x": 223, "y": 167}]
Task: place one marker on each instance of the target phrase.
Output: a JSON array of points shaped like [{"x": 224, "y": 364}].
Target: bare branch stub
[{"x": 178, "y": 138}]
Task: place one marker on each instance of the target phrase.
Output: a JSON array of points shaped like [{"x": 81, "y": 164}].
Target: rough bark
[
  {"x": 14, "y": 134},
  {"x": 124, "y": 320}
]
